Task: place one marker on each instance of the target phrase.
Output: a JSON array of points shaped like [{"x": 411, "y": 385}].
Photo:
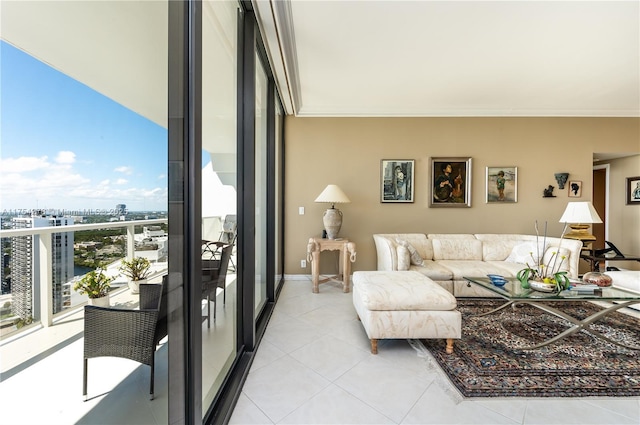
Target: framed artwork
[
  {"x": 450, "y": 182},
  {"x": 575, "y": 188},
  {"x": 397, "y": 179},
  {"x": 502, "y": 185},
  {"x": 633, "y": 190}
]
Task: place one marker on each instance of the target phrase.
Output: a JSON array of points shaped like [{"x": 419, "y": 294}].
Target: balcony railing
[{"x": 43, "y": 240}]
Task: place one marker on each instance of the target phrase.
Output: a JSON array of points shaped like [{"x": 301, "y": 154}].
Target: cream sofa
[
  {"x": 447, "y": 258},
  {"x": 627, "y": 279}
]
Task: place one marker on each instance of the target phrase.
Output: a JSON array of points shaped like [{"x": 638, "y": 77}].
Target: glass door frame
[{"x": 185, "y": 206}]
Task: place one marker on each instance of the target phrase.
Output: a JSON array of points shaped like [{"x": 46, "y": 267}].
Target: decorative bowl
[
  {"x": 497, "y": 280},
  {"x": 542, "y": 286},
  {"x": 597, "y": 278}
]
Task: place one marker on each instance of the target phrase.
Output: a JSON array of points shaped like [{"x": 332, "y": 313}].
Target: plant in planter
[
  {"x": 137, "y": 270},
  {"x": 95, "y": 285},
  {"x": 545, "y": 276}
]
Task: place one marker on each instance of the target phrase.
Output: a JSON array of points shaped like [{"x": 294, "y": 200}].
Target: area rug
[{"x": 489, "y": 362}]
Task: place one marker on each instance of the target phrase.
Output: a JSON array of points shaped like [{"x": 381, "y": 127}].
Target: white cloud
[
  {"x": 23, "y": 164},
  {"x": 122, "y": 181},
  {"x": 105, "y": 182},
  {"x": 124, "y": 169},
  {"x": 66, "y": 157}
]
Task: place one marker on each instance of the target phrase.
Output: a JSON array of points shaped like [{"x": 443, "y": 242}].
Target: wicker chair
[
  {"x": 129, "y": 334},
  {"x": 214, "y": 275}
]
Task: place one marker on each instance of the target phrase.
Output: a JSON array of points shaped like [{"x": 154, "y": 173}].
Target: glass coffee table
[{"x": 515, "y": 295}]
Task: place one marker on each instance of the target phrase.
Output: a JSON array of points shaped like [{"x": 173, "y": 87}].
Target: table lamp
[
  {"x": 332, "y": 217},
  {"x": 579, "y": 216}
]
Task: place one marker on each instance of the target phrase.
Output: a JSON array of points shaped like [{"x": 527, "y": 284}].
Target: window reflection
[{"x": 219, "y": 178}]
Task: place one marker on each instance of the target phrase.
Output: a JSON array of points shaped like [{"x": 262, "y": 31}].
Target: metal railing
[{"x": 45, "y": 249}]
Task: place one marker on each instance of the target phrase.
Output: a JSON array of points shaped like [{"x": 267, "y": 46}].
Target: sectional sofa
[{"x": 447, "y": 258}]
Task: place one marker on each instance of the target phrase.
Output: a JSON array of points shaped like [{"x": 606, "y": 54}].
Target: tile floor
[{"x": 314, "y": 367}]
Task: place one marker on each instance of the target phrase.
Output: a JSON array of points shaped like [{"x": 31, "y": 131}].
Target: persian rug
[{"x": 489, "y": 362}]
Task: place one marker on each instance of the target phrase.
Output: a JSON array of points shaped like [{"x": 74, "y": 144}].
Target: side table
[{"x": 347, "y": 255}]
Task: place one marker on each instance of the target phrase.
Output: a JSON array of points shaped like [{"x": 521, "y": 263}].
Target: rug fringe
[{"x": 442, "y": 381}]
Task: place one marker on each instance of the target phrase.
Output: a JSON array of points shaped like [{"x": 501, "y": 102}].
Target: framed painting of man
[
  {"x": 502, "y": 185},
  {"x": 450, "y": 182},
  {"x": 397, "y": 180}
]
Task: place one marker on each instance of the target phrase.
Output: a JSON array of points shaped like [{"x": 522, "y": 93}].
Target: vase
[
  {"x": 134, "y": 285},
  {"x": 597, "y": 278},
  {"x": 539, "y": 286},
  {"x": 100, "y": 302}
]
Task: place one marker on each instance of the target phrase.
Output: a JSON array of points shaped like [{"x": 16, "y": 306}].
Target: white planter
[
  {"x": 134, "y": 285},
  {"x": 100, "y": 302}
]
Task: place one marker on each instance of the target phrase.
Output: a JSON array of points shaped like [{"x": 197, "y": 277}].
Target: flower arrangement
[
  {"x": 95, "y": 284},
  {"x": 548, "y": 272},
  {"x": 135, "y": 269}
]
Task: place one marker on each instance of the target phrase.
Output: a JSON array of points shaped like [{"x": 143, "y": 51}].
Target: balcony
[{"x": 43, "y": 361}]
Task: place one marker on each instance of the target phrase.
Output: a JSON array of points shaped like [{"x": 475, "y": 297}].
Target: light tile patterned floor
[{"x": 314, "y": 367}]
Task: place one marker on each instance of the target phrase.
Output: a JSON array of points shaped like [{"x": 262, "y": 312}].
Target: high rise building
[
  {"x": 121, "y": 209},
  {"x": 25, "y": 267}
]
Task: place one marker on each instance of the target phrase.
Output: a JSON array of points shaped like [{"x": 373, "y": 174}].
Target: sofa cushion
[
  {"x": 526, "y": 253},
  {"x": 433, "y": 270},
  {"x": 414, "y": 256},
  {"x": 473, "y": 268},
  {"x": 393, "y": 291},
  {"x": 404, "y": 258},
  {"x": 558, "y": 263},
  {"x": 457, "y": 249},
  {"x": 497, "y": 247}
]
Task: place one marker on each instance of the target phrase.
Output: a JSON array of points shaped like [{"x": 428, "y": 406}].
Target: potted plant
[
  {"x": 137, "y": 270},
  {"x": 95, "y": 285},
  {"x": 545, "y": 276}
]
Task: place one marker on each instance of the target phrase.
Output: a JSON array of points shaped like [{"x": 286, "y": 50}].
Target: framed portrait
[
  {"x": 575, "y": 188},
  {"x": 633, "y": 190},
  {"x": 502, "y": 185},
  {"x": 397, "y": 179},
  {"x": 450, "y": 182}
]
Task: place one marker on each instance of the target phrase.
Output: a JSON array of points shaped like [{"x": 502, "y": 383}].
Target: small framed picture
[
  {"x": 502, "y": 185},
  {"x": 450, "y": 182},
  {"x": 397, "y": 178},
  {"x": 633, "y": 190},
  {"x": 575, "y": 188}
]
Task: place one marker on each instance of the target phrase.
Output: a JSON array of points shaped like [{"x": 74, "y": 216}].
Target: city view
[
  {"x": 71, "y": 157},
  {"x": 74, "y": 253}
]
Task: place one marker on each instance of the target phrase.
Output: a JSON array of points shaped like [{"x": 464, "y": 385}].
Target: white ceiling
[
  {"x": 455, "y": 58},
  {"x": 368, "y": 58}
]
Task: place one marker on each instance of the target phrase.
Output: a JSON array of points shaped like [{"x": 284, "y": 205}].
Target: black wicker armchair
[
  {"x": 129, "y": 334},
  {"x": 214, "y": 276}
]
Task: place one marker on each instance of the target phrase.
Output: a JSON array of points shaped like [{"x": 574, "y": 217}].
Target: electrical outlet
[
  {"x": 301, "y": 210},
  {"x": 303, "y": 263}
]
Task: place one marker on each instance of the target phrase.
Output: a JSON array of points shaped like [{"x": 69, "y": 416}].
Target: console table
[{"x": 347, "y": 255}]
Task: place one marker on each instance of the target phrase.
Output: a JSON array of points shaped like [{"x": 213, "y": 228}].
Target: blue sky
[{"x": 65, "y": 146}]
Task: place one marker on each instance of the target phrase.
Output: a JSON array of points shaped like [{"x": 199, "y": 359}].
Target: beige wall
[
  {"x": 624, "y": 220},
  {"x": 348, "y": 151}
]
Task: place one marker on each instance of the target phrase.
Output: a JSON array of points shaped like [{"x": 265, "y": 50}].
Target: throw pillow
[
  {"x": 416, "y": 258},
  {"x": 526, "y": 253},
  {"x": 403, "y": 258},
  {"x": 558, "y": 263}
]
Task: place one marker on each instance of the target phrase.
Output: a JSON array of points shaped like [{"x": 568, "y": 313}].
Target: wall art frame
[
  {"x": 501, "y": 185},
  {"x": 633, "y": 190},
  {"x": 450, "y": 182},
  {"x": 575, "y": 189},
  {"x": 397, "y": 179}
]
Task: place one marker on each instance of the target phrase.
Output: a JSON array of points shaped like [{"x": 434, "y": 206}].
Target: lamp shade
[
  {"x": 580, "y": 212},
  {"x": 332, "y": 194}
]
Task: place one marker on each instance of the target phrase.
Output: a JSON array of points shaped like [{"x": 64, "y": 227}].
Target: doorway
[{"x": 599, "y": 200}]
